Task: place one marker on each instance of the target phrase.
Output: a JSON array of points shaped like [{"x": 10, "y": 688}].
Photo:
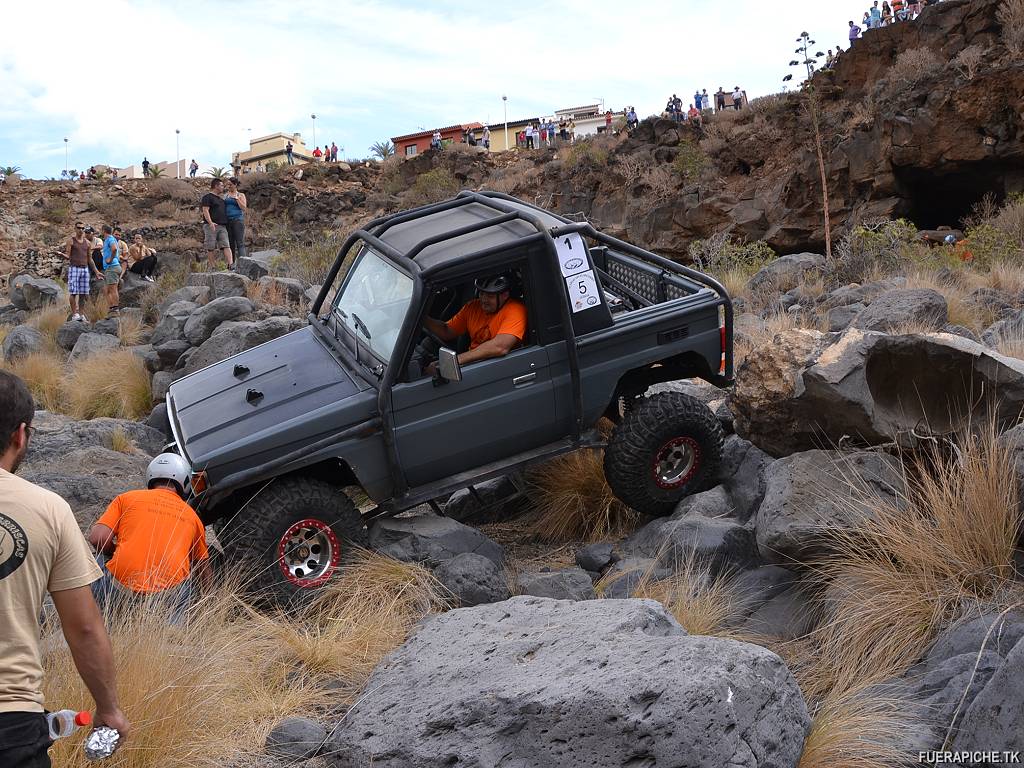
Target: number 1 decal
[{"x": 572, "y": 255}]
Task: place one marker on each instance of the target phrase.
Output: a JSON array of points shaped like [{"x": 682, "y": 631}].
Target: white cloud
[{"x": 118, "y": 77}]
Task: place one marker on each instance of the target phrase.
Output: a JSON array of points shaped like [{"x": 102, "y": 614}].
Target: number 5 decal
[{"x": 583, "y": 291}]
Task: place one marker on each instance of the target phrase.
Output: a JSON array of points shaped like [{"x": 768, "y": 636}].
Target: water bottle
[{"x": 66, "y": 722}]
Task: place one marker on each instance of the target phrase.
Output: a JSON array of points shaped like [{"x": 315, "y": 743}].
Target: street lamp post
[
  {"x": 504, "y": 106},
  {"x": 314, "y": 130},
  {"x": 65, "y": 155},
  {"x": 177, "y": 153}
]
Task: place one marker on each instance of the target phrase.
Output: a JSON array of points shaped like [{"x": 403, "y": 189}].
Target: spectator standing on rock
[
  {"x": 155, "y": 540},
  {"x": 42, "y": 550},
  {"x": 145, "y": 167},
  {"x": 854, "y": 32},
  {"x": 215, "y": 224},
  {"x": 737, "y": 98},
  {"x": 334, "y": 152},
  {"x": 563, "y": 129},
  {"x": 111, "y": 268},
  {"x": 80, "y": 266},
  {"x": 720, "y": 99},
  {"x": 288, "y": 151},
  {"x": 317, "y": 154},
  {"x": 876, "y": 15},
  {"x": 235, "y": 206},
  {"x": 705, "y": 100},
  {"x": 192, "y": 168},
  {"x": 142, "y": 258},
  {"x": 122, "y": 251},
  {"x": 487, "y": 137}
]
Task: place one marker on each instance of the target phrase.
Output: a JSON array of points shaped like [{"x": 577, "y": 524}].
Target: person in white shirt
[{"x": 737, "y": 98}]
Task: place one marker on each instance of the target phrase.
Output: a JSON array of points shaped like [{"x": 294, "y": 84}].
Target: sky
[{"x": 117, "y": 78}]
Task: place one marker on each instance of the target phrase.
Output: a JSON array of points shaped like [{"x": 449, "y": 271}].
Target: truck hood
[{"x": 264, "y": 402}]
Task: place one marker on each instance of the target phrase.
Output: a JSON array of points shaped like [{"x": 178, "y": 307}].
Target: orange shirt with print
[
  {"x": 158, "y": 536},
  {"x": 481, "y": 327}
]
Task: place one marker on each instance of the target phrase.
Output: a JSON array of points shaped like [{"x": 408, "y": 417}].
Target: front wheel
[
  {"x": 292, "y": 537},
  {"x": 667, "y": 447}
]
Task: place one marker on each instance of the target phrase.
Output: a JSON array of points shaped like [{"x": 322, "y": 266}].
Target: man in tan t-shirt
[{"x": 42, "y": 550}]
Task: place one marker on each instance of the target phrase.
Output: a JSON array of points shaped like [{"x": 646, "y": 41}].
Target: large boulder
[
  {"x": 196, "y": 294},
  {"x": 169, "y": 352},
  {"x": 296, "y": 738},
  {"x": 68, "y": 333},
  {"x": 132, "y": 290},
  {"x": 536, "y": 683},
  {"x": 221, "y": 283},
  {"x": 497, "y": 499},
  {"x": 563, "y": 584},
  {"x": 54, "y": 436},
  {"x": 786, "y": 272},
  {"x": 722, "y": 542},
  {"x": 204, "y": 321},
  {"x": 994, "y": 718},
  {"x": 812, "y": 494},
  {"x": 742, "y": 476},
  {"x": 234, "y": 337},
  {"x": 21, "y": 342},
  {"x": 806, "y": 390},
  {"x": 473, "y": 579},
  {"x": 288, "y": 289},
  {"x": 916, "y": 308},
  {"x": 172, "y": 323},
  {"x": 428, "y": 538},
  {"x": 89, "y": 344},
  {"x": 32, "y": 293},
  {"x": 257, "y": 264}
]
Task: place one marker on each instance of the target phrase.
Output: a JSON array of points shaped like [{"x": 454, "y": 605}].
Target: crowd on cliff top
[{"x": 886, "y": 13}]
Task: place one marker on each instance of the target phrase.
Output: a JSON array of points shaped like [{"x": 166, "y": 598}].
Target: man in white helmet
[{"x": 155, "y": 540}]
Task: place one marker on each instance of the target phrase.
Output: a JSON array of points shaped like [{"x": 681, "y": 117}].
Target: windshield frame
[{"x": 338, "y": 322}]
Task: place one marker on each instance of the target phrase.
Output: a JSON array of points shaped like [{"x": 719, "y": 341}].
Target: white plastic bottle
[{"x": 66, "y": 722}]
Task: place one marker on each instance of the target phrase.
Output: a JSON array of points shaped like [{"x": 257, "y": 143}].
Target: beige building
[
  {"x": 270, "y": 149},
  {"x": 167, "y": 170}
]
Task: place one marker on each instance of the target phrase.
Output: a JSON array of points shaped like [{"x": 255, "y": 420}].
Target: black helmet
[{"x": 494, "y": 284}]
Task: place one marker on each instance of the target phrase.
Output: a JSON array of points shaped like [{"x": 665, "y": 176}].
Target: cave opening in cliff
[{"x": 934, "y": 199}]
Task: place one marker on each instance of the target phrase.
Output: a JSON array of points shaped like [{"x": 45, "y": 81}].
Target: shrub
[
  {"x": 56, "y": 210},
  {"x": 585, "y": 152},
  {"x": 432, "y": 187},
  {"x": 43, "y": 374},
  {"x": 719, "y": 254},
  {"x": 911, "y": 67},
  {"x": 875, "y": 246},
  {"x": 129, "y": 328},
  {"x": 858, "y": 730},
  {"x": 632, "y": 168},
  {"x": 1011, "y": 16},
  {"x": 574, "y": 501},
  {"x": 662, "y": 182},
  {"x": 168, "y": 209},
  {"x": 169, "y": 281},
  {"x": 114, "y": 384},
  {"x": 178, "y": 190},
  {"x": 968, "y": 61},
  {"x": 4, "y": 330},
  {"x": 121, "y": 442},
  {"x": 308, "y": 259},
  {"x": 690, "y": 162},
  {"x": 113, "y": 209}
]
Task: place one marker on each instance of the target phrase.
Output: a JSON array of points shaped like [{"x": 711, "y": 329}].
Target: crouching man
[{"x": 154, "y": 541}]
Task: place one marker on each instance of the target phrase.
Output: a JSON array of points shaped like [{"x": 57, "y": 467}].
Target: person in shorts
[
  {"x": 111, "y": 268},
  {"x": 76, "y": 251},
  {"x": 215, "y": 224}
]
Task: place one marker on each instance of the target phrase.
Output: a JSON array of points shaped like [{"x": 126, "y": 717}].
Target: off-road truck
[{"x": 279, "y": 436}]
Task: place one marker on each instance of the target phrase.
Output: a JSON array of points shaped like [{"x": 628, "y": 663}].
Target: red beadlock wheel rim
[
  {"x": 308, "y": 553},
  {"x": 676, "y": 462}
]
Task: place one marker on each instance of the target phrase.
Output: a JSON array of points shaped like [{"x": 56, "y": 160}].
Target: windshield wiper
[{"x": 361, "y": 326}]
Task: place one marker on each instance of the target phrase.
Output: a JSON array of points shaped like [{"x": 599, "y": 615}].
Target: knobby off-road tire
[
  {"x": 667, "y": 447},
  {"x": 292, "y": 538}
]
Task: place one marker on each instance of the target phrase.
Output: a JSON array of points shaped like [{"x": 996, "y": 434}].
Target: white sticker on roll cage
[
  {"x": 572, "y": 255},
  {"x": 583, "y": 293}
]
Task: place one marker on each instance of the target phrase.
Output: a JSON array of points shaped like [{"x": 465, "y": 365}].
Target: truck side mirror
[{"x": 448, "y": 367}]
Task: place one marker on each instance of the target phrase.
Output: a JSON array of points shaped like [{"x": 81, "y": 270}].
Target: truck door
[{"x": 502, "y": 406}]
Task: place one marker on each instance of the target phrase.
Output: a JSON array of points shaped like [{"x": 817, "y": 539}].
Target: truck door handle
[{"x": 526, "y": 378}]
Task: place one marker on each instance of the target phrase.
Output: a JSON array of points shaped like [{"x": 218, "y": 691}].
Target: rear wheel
[
  {"x": 666, "y": 447},
  {"x": 292, "y": 537}
]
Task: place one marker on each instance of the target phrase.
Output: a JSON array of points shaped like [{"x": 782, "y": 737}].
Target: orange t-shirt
[
  {"x": 158, "y": 535},
  {"x": 481, "y": 327}
]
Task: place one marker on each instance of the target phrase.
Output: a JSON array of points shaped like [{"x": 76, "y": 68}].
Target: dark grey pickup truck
[{"x": 365, "y": 397}]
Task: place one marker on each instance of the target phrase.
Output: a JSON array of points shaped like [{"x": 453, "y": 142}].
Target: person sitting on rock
[
  {"x": 155, "y": 541},
  {"x": 142, "y": 258},
  {"x": 495, "y": 322}
]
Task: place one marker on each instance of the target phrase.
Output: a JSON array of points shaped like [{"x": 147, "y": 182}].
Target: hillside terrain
[{"x": 847, "y": 591}]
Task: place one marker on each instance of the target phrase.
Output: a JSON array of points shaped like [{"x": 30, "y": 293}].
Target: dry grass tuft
[
  {"x": 121, "y": 442},
  {"x": 961, "y": 311},
  {"x": 48, "y": 320},
  {"x": 861, "y": 730},
  {"x": 114, "y": 384},
  {"x": 918, "y": 564},
  {"x": 130, "y": 327},
  {"x": 4, "y": 330},
  {"x": 97, "y": 307},
  {"x": 1011, "y": 17},
  {"x": 43, "y": 374},
  {"x": 1006, "y": 276},
  {"x": 574, "y": 501},
  {"x": 702, "y": 601}
]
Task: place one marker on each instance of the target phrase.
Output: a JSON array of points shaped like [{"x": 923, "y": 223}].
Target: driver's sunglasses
[{"x": 80, "y": 228}]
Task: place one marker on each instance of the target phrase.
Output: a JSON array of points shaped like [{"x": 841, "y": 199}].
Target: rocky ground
[{"x": 847, "y": 591}]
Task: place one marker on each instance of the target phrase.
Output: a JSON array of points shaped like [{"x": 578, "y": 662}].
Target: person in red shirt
[
  {"x": 495, "y": 322},
  {"x": 157, "y": 540},
  {"x": 317, "y": 153}
]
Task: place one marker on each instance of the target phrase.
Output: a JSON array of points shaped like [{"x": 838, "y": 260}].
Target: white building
[{"x": 589, "y": 119}]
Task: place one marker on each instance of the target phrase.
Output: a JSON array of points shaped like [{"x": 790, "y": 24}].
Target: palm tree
[
  {"x": 382, "y": 149},
  {"x": 218, "y": 172},
  {"x": 10, "y": 170},
  {"x": 155, "y": 172}
]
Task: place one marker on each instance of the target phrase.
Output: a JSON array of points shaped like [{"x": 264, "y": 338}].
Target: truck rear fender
[{"x": 633, "y": 383}]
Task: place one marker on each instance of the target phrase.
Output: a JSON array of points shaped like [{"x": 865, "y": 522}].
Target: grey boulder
[
  {"x": 296, "y": 738},
  {"x": 257, "y": 263},
  {"x": 564, "y": 584},
  {"x": 473, "y": 579},
  {"x": 428, "y": 538},
  {"x": 93, "y": 344},
  {"x": 742, "y": 476},
  {"x": 594, "y": 558},
  {"x": 233, "y": 337},
  {"x": 194, "y": 294},
  {"x": 172, "y": 323},
  {"x": 221, "y": 283},
  {"x": 721, "y": 542},
  {"x": 291, "y": 291},
  {"x": 920, "y": 308},
  {"x": 994, "y": 718},
  {"x": 810, "y": 495},
  {"x": 536, "y": 683},
  {"x": 32, "y": 293},
  {"x": 201, "y": 324},
  {"x": 786, "y": 272},
  {"x": 840, "y": 318},
  {"x": 69, "y": 332},
  {"x": 490, "y": 500},
  {"x": 22, "y": 341},
  {"x": 55, "y": 435}
]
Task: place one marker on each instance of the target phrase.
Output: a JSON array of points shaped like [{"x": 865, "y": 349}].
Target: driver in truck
[{"x": 495, "y": 322}]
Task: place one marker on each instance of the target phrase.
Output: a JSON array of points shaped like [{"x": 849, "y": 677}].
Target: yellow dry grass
[
  {"x": 266, "y": 293},
  {"x": 574, "y": 501},
  {"x": 47, "y": 321},
  {"x": 43, "y": 374},
  {"x": 1006, "y": 276},
  {"x": 961, "y": 312},
  {"x": 206, "y": 692},
  {"x": 859, "y": 730},
  {"x": 130, "y": 327},
  {"x": 96, "y": 307},
  {"x": 121, "y": 442},
  {"x": 918, "y": 564},
  {"x": 4, "y": 330},
  {"x": 114, "y": 384},
  {"x": 702, "y": 601}
]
